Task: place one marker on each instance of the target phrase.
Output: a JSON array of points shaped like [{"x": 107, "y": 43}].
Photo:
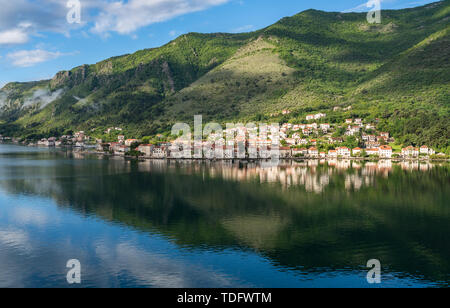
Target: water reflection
[{"x": 159, "y": 223}]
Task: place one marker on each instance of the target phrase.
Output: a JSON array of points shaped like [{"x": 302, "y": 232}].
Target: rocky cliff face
[{"x": 70, "y": 78}]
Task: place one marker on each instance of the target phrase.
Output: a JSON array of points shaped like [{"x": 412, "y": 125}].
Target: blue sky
[{"x": 36, "y": 40}]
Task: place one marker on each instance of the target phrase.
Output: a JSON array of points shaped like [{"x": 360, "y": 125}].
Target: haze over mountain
[{"x": 397, "y": 71}]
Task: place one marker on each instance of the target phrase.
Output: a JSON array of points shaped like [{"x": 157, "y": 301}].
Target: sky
[{"x": 38, "y": 38}]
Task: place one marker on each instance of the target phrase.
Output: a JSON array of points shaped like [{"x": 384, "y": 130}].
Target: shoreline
[{"x": 144, "y": 158}]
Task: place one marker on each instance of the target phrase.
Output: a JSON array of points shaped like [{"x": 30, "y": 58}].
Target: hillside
[{"x": 397, "y": 71}]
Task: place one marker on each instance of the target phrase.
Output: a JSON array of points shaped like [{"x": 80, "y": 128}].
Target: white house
[
  {"x": 313, "y": 152},
  {"x": 356, "y": 151},
  {"x": 332, "y": 153},
  {"x": 410, "y": 151},
  {"x": 343, "y": 152},
  {"x": 385, "y": 151}
]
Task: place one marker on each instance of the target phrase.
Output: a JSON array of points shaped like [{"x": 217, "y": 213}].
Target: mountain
[{"x": 397, "y": 71}]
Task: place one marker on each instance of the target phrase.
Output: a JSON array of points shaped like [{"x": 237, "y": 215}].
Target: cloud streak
[
  {"x": 27, "y": 58},
  {"x": 102, "y": 16},
  {"x": 128, "y": 17}
]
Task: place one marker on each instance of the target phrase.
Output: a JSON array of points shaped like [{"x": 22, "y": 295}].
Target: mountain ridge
[{"x": 396, "y": 71}]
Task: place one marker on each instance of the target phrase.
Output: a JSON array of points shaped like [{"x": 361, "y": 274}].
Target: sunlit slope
[{"x": 396, "y": 71}]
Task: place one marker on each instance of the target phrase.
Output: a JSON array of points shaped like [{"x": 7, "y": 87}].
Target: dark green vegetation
[{"x": 397, "y": 71}]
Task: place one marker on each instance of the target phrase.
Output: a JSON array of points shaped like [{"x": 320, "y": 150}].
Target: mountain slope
[{"x": 397, "y": 71}]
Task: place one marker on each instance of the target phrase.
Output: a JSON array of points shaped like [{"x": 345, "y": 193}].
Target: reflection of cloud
[
  {"x": 16, "y": 239},
  {"x": 30, "y": 216},
  {"x": 158, "y": 270}
]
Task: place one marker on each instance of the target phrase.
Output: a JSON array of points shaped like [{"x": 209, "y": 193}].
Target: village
[{"x": 314, "y": 139}]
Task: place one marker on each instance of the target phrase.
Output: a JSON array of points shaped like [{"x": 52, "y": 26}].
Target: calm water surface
[{"x": 168, "y": 224}]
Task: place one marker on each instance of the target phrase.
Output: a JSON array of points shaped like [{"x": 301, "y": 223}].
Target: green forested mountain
[{"x": 397, "y": 71}]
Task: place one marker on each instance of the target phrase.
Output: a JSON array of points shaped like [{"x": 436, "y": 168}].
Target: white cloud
[
  {"x": 26, "y": 58},
  {"x": 246, "y": 28},
  {"x": 13, "y": 37},
  {"x": 103, "y": 16},
  {"x": 127, "y": 17}
]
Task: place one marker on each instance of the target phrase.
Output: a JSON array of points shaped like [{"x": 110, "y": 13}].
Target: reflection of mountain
[{"x": 400, "y": 217}]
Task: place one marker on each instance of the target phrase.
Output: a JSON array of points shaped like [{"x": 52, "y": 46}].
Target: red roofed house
[
  {"x": 385, "y": 151},
  {"x": 313, "y": 152}
]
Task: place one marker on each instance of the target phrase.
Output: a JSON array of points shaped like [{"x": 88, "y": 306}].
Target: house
[
  {"x": 46, "y": 142},
  {"x": 358, "y": 121},
  {"x": 410, "y": 151},
  {"x": 348, "y": 121},
  {"x": 343, "y": 152},
  {"x": 303, "y": 142},
  {"x": 121, "y": 138},
  {"x": 333, "y": 140},
  {"x": 146, "y": 149},
  {"x": 228, "y": 152},
  {"x": 265, "y": 153},
  {"x": 384, "y": 135},
  {"x": 382, "y": 138},
  {"x": 319, "y": 116},
  {"x": 299, "y": 152},
  {"x": 285, "y": 152},
  {"x": 286, "y": 112},
  {"x": 322, "y": 154},
  {"x": 332, "y": 154},
  {"x": 352, "y": 130},
  {"x": 313, "y": 152},
  {"x": 385, "y": 151},
  {"x": 121, "y": 149},
  {"x": 99, "y": 147},
  {"x": 309, "y": 117},
  {"x": 129, "y": 142},
  {"x": 373, "y": 152},
  {"x": 290, "y": 141},
  {"x": 356, "y": 151},
  {"x": 160, "y": 152},
  {"x": 426, "y": 150},
  {"x": 325, "y": 127}
]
